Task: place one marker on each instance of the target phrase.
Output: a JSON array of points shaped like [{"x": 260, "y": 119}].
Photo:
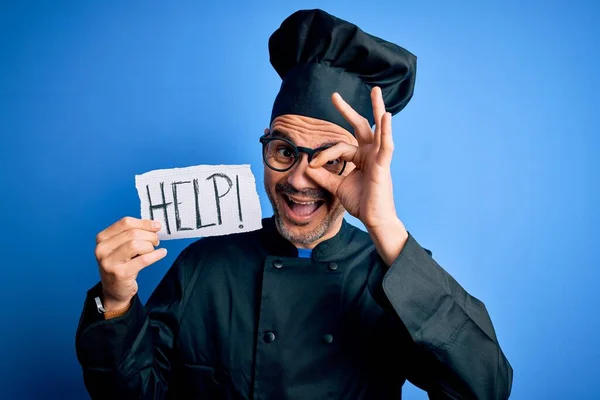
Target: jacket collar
[{"x": 330, "y": 249}]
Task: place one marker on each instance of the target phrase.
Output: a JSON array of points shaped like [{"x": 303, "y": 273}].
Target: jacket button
[
  {"x": 333, "y": 266},
  {"x": 277, "y": 264},
  {"x": 328, "y": 338},
  {"x": 269, "y": 337}
]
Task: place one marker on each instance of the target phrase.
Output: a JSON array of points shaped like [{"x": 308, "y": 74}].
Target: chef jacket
[{"x": 243, "y": 317}]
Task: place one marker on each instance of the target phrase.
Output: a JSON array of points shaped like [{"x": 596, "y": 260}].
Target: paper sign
[{"x": 199, "y": 201}]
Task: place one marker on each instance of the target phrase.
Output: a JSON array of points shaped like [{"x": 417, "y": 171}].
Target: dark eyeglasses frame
[{"x": 265, "y": 139}]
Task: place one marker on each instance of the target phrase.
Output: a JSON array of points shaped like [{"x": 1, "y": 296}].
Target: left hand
[{"x": 366, "y": 192}]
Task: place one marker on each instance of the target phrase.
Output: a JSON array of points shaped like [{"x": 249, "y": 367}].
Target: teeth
[{"x": 304, "y": 203}]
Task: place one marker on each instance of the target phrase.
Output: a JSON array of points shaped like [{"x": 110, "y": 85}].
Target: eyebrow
[
  {"x": 281, "y": 134},
  {"x": 286, "y": 136}
]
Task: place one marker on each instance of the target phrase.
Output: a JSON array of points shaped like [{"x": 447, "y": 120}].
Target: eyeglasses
[{"x": 281, "y": 154}]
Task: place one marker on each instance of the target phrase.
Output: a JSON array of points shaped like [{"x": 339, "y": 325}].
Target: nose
[{"x": 297, "y": 176}]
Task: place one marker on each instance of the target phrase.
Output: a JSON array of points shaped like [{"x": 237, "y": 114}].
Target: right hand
[{"x": 122, "y": 250}]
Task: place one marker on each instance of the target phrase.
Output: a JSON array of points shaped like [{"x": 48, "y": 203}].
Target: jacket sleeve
[
  {"x": 131, "y": 356},
  {"x": 455, "y": 352}
]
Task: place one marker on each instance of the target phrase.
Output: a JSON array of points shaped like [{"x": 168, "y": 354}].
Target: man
[{"x": 309, "y": 307}]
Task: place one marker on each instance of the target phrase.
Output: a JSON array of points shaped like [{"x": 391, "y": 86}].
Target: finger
[
  {"x": 107, "y": 247},
  {"x": 325, "y": 179},
  {"x": 134, "y": 266},
  {"x": 342, "y": 150},
  {"x": 126, "y": 252},
  {"x": 362, "y": 128},
  {"x": 386, "y": 150},
  {"x": 378, "y": 112},
  {"x": 125, "y": 224}
]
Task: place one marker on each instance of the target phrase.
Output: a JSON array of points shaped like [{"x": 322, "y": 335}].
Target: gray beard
[{"x": 308, "y": 237}]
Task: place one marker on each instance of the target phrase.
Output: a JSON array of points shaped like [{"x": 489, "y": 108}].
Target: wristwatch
[
  {"x": 99, "y": 305},
  {"x": 110, "y": 314}
]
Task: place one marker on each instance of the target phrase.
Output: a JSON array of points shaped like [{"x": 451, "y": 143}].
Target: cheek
[{"x": 271, "y": 178}]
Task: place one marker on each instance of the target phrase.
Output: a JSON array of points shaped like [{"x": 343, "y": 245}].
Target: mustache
[{"x": 318, "y": 194}]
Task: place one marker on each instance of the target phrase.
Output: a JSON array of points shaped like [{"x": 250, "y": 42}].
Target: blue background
[{"x": 495, "y": 167}]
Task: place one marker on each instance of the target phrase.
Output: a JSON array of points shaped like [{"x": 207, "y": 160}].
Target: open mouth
[{"x": 301, "y": 209}]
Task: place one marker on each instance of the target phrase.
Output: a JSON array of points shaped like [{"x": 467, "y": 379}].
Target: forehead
[{"x": 310, "y": 132}]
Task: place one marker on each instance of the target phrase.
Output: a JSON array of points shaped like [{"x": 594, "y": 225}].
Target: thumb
[{"x": 325, "y": 179}]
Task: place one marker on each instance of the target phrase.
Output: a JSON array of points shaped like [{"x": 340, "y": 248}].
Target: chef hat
[{"x": 317, "y": 54}]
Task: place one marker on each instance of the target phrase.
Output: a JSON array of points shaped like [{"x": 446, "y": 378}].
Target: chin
[
  {"x": 304, "y": 221},
  {"x": 303, "y": 217}
]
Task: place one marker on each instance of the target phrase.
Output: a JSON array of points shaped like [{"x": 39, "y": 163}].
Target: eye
[
  {"x": 284, "y": 151},
  {"x": 333, "y": 162}
]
